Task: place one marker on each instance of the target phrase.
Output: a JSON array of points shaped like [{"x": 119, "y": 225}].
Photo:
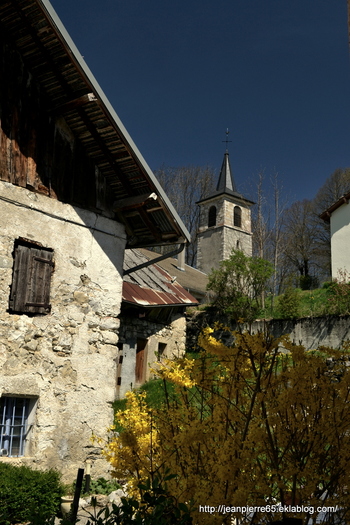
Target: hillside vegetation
[{"x": 332, "y": 299}]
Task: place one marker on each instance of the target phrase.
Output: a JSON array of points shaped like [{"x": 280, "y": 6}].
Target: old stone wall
[
  {"x": 311, "y": 332},
  {"x": 65, "y": 361},
  {"x": 169, "y": 338},
  {"x": 215, "y": 243}
]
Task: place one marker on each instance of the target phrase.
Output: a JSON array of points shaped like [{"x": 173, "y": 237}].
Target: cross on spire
[{"x": 227, "y": 141}]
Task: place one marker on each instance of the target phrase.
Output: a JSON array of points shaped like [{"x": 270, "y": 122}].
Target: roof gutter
[{"x": 155, "y": 261}]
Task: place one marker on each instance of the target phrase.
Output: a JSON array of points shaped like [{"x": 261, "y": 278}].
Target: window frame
[
  {"x": 237, "y": 217},
  {"x": 33, "y": 266},
  {"x": 162, "y": 347},
  {"x": 13, "y": 409}
]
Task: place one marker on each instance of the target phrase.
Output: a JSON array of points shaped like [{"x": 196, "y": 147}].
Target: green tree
[{"x": 238, "y": 285}]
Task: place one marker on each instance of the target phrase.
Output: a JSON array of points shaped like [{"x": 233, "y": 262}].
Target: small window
[
  {"x": 14, "y": 414},
  {"x": 237, "y": 217},
  {"x": 161, "y": 350},
  {"x": 238, "y": 245},
  {"x": 212, "y": 216},
  {"x": 32, "y": 269}
]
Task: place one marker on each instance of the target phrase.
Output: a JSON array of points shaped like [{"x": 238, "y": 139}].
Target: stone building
[
  {"x": 153, "y": 322},
  {"x": 74, "y": 193},
  {"x": 225, "y": 222}
]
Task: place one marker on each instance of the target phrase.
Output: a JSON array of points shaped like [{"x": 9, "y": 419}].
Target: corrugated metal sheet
[{"x": 152, "y": 286}]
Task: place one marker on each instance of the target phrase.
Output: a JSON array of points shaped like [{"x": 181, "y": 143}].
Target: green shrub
[
  {"x": 157, "y": 506},
  {"x": 27, "y": 494},
  {"x": 102, "y": 486},
  {"x": 289, "y": 303},
  {"x": 339, "y": 294}
]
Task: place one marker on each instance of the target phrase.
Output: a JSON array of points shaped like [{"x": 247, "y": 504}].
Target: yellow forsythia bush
[{"x": 257, "y": 422}]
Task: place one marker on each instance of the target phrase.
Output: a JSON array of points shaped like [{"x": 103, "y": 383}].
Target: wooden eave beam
[
  {"x": 157, "y": 208},
  {"x": 156, "y": 233},
  {"x": 112, "y": 161},
  {"x": 72, "y": 104},
  {"x": 133, "y": 202}
]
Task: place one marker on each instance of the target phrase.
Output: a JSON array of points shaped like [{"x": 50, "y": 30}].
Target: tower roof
[{"x": 226, "y": 182}]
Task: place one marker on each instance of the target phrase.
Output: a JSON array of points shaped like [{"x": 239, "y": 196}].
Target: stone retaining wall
[{"x": 311, "y": 332}]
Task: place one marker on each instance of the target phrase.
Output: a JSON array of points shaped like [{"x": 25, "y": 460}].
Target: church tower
[{"x": 225, "y": 222}]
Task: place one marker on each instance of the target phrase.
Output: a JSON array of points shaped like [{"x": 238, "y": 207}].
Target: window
[
  {"x": 161, "y": 350},
  {"x": 32, "y": 269},
  {"x": 237, "y": 217},
  {"x": 212, "y": 216},
  {"x": 14, "y": 414}
]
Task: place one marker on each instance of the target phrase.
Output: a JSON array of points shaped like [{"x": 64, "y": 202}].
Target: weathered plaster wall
[
  {"x": 172, "y": 334},
  {"x": 340, "y": 245},
  {"x": 66, "y": 360},
  {"x": 236, "y": 239},
  {"x": 210, "y": 249}
]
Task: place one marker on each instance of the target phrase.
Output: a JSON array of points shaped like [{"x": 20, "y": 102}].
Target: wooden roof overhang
[
  {"x": 344, "y": 199},
  {"x": 73, "y": 92}
]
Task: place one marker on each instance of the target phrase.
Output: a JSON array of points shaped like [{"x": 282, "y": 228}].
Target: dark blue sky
[{"x": 178, "y": 73}]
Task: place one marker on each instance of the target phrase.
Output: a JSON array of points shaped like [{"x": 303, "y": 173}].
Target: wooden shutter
[{"x": 30, "y": 292}]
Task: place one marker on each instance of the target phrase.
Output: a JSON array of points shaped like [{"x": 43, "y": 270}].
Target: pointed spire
[{"x": 226, "y": 183}]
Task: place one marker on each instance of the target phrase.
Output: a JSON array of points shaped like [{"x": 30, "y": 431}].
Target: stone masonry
[
  {"x": 65, "y": 361},
  {"x": 171, "y": 335},
  {"x": 215, "y": 243}
]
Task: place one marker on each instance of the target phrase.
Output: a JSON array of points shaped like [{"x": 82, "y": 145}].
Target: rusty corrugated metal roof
[
  {"x": 152, "y": 286},
  {"x": 192, "y": 279}
]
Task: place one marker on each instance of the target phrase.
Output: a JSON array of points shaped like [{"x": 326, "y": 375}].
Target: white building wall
[
  {"x": 65, "y": 360},
  {"x": 340, "y": 240}
]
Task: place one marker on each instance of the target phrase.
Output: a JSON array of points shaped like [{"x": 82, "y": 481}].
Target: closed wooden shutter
[{"x": 30, "y": 292}]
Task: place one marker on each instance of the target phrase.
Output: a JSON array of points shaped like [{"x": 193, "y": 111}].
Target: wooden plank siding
[{"x": 37, "y": 149}]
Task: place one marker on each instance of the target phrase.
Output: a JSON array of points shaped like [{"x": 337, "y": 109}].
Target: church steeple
[
  {"x": 225, "y": 221},
  {"x": 226, "y": 182}
]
